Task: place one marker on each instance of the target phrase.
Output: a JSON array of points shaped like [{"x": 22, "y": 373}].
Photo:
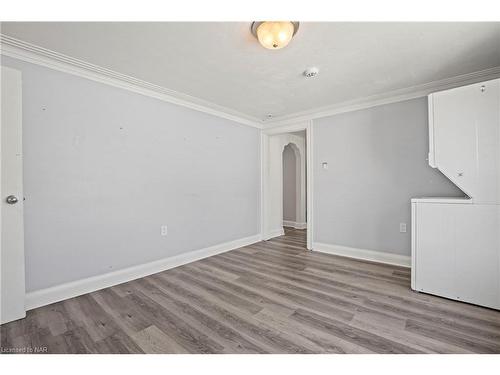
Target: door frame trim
[{"x": 265, "y": 134}]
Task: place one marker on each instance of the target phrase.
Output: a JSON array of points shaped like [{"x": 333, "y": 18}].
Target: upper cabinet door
[
  {"x": 455, "y": 150},
  {"x": 488, "y": 139},
  {"x": 465, "y": 131}
]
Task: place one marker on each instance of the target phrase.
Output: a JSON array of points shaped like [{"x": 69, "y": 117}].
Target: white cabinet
[
  {"x": 434, "y": 230},
  {"x": 477, "y": 254},
  {"x": 457, "y": 251},
  {"x": 453, "y": 151},
  {"x": 465, "y": 135},
  {"x": 456, "y": 242}
]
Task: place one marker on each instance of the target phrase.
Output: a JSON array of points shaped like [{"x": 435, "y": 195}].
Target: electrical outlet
[
  {"x": 164, "y": 230},
  {"x": 402, "y": 227}
]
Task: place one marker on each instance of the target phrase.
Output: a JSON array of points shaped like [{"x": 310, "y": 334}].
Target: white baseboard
[
  {"x": 364, "y": 254},
  {"x": 294, "y": 224},
  {"x": 273, "y": 233},
  {"x": 76, "y": 288}
]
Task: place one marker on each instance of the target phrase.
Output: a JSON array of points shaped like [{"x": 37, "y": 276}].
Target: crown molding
[
  {"x": 399, "y": 95},
  {"x": 34, "y": 54}
]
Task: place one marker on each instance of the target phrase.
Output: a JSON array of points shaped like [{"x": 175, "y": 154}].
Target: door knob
[{"x": 11, "y": 199}]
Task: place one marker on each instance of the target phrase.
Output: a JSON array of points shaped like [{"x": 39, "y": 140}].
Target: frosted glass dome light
[{"x": 274, "y": 34}]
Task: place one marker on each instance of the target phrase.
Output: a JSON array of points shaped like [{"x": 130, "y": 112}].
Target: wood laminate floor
[{"x": 270, "y": 297}]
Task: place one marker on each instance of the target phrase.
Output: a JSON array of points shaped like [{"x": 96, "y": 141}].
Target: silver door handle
[{"x": 11, "y": 199}]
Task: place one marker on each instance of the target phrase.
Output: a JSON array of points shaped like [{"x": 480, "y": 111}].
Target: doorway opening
[
  {"x": 294, "y": 202},
  {"x": 286, "y": 207},
  {"x": 294, "y": 187}
]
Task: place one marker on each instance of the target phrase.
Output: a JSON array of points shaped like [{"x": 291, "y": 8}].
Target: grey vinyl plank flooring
[{"x": 270, "y": 297}]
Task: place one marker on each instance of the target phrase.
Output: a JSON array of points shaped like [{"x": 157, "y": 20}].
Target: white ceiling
[{"x": 222, "y": 63}]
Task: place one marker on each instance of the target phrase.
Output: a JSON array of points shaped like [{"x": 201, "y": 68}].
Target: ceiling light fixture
[{"x": 274, "y": 34}]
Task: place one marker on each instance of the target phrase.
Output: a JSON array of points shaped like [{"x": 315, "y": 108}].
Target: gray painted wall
[
  {"x": 289, "y": 184},
  {"x": 377, "y": 163},
  {"x": 104, "y": 168}
]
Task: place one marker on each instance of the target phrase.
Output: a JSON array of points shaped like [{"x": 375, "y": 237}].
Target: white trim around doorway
[{"x": 265, "y": 134}]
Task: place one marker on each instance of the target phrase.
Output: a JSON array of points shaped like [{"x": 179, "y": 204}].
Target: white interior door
[{"x": 12, "y": 288}]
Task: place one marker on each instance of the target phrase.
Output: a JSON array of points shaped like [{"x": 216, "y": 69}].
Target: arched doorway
[
  {"x": 272, "y": 203},
  {"x": 293, "y": 185}
]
